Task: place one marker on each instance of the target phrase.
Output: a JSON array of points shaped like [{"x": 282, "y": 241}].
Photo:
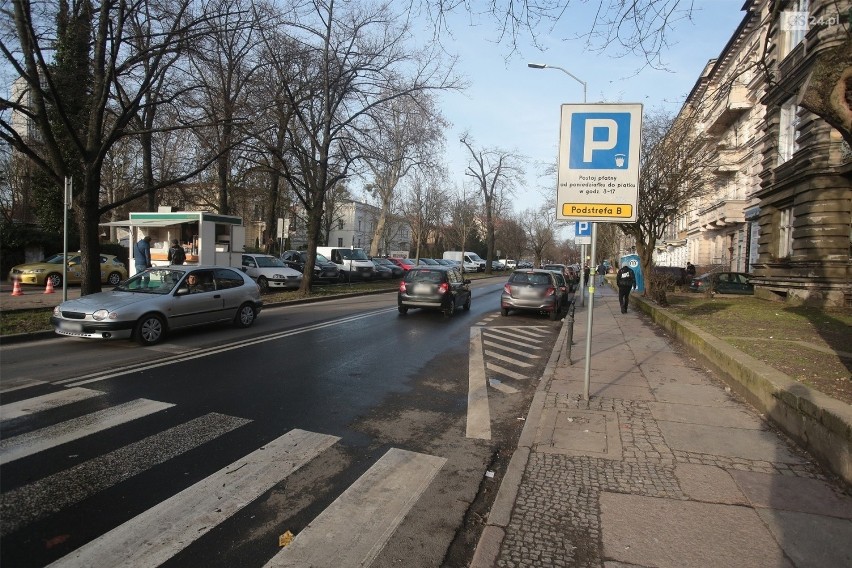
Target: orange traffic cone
[
  {"x": 48, "y": 287},
  {"x": 16, "y": 288}
]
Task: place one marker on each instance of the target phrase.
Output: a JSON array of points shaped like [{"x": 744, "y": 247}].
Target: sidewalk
[
  {"x": 33, "y": 296},
  {"x": 662, "y": 467}
]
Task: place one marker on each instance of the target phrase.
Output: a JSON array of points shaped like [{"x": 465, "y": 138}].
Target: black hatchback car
[
  {"x": 436, "y": 287},
  {"x": 324, "y": 269}
]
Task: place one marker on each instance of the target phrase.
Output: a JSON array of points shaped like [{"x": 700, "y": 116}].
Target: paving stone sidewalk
[{"x": 662, "y": 467}]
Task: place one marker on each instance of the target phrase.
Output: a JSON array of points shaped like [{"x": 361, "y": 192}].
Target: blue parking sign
[{"x": 600, "y": 141}]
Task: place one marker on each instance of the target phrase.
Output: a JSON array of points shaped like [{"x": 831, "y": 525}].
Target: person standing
[
  {"x": 176, "y": 253},
  {"x": 626, "y": 280},
  {"x": 690, "y": 272},
  {"x": 142, "y": 257}
]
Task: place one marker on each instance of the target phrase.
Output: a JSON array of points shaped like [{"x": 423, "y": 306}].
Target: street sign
[
  {"x": 583, "y": 233},
  {"x": 598, "y": 171}
]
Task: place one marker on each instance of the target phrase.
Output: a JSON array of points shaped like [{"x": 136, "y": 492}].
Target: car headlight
[
  {"x": 34, "y": 271},
  {"x": 57, "y": 312},
  {"x": 100, "y": 315}
]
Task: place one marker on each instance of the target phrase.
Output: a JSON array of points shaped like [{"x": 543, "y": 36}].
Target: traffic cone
[
  {"x": 48, "y": 287},
  {"x": 16, "y": 288}
]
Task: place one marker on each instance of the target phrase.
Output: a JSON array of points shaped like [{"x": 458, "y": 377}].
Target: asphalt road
[{"x": 368, "y": 435}]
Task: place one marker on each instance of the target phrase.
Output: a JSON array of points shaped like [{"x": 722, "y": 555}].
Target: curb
[{"x": 488, "y": 546}]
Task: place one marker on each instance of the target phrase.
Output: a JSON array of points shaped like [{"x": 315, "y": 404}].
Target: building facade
[
  {"x": 355, "y": 225},
  {"x": 778, "y": 201}
]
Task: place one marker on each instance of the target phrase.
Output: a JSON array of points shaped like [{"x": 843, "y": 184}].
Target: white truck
[
  {"x": 353, "y": 263},
  {"x": 470, "y": 261}
]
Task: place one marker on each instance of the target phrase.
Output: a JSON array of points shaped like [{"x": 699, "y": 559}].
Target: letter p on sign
[{"x": 599, "y": 140}]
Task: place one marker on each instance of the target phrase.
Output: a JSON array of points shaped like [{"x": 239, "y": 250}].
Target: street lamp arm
[{"x": 546, "y": 66}]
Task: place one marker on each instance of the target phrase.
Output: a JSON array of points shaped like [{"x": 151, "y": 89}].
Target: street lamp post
[{"x": 592, "y": 260}]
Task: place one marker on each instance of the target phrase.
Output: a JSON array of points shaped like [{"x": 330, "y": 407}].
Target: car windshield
[
  {"x": 353, "y": 254},
  {"x": 55, "y": 259},
  {"x": 268, "y": 262},
  {"x": 474, "y": 257},
  {"x": 152, "y": 281},
  {"x": 322, "y": 258}
]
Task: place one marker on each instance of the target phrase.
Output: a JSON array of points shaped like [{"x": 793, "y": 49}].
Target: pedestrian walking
[
  {"x": 626, "y": 280},
  {"x": 601, "y": 274},
  {"x": 690, "y": 272},
  {"x": 176, "y": 253}
]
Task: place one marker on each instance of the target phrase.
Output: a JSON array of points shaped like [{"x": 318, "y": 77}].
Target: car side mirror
[{"x": 182, "y": 291}]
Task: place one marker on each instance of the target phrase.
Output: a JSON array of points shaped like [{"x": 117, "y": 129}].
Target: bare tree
[
  {"x": 674, "y": 162},
  {"x": 495, "y": 172},
  {"x": 510, "y": 237},
  {"x": 423, "y": 209},
  {"x": 461, "y": 227},
  {"x": 70, "y": 142},
  {"x": 407, "y": 134},
  {"x": 540, "y": 227},
  {"x": 354, "y": 59}
]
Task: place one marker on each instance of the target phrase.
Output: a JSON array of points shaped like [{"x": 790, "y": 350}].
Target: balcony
[
  {"x": 727, "y": 109},
  {"x": 722, "y": 213},
  {"x": 730, "y": 160}
]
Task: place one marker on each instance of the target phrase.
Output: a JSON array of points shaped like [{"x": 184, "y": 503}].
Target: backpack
[{"x": 178, "y": 255}]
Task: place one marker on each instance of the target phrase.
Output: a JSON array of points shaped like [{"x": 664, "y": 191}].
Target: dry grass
[{"x": 811, "y": 345}]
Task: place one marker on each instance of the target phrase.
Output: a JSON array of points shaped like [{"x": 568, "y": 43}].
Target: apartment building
[
  {"x": 355, "y": 223},
  {"x": 779, "y": 198}
]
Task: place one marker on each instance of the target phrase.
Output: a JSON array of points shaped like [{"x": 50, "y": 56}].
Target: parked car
[
  {"x": 382, "y": 272},
  {"x": 271, "y": 272},
  {"x": 405, "y": 263},
  {"x": 428, "y": 262},
  {"x": 524, "y": 264},
  {"x": 113, "y": 270},
  {"x": 324, "y": 269},
  {"x": 159, "y": 300},
  {"x": 435, "y": 287},
  {"x": 571, "y": 277},
  {"x": 532, "y": 290},
  {"x": 396, "y": 271},
  {"x": 564, "y": 290},
  {"x": 497, "y": 265},
  {"x": 723, "y": 283},
  {"x": 446, "y": 262}
]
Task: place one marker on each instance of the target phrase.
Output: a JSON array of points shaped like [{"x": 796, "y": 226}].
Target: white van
[
  {"x": 470, "y": 261},
  {"x": 353, "y": 263}
]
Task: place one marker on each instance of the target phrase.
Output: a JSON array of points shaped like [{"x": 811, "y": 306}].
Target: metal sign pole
[
  {"x": 69, "y": 186},
  {"x": 582, "y": 275},
  {"x": 586, "y": 379}
]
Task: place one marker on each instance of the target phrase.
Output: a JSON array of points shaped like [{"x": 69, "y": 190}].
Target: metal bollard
[{"x": 570, "y": 322}]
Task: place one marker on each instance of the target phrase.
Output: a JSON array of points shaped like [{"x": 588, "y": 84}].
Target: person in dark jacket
[
  {"x": 625, "y": 278},
  {"x": 176, "y": 253}
]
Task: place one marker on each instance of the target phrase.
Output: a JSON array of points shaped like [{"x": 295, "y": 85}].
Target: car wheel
[
  {"x": 114, "y": 278},
  {"x": 504, "y": 312},
  {"x": 55, "y": 279},
  {"x": 341, "y": 277},
  {"x": 245, "y": 315},
  {"x": 263, "y": 284},
  {"x": 150, "y": 329},
  {"x": 554, "y": 315},
  {"x": 402, "y": 309},
  {"x": 466, "y": 306},
  {"x": 449, "y": 310}
]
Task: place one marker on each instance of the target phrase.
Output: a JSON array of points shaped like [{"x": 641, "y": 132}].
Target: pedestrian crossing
[{"x": 349, "y": 532}]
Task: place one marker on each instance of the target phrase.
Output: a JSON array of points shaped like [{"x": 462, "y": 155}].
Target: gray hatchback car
[
  {"x": 436, "y": 287},
  {"x": 532, "y": 290}
]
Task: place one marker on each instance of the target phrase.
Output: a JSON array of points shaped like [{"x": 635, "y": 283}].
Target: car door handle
[{"x": 217, "y": 296}]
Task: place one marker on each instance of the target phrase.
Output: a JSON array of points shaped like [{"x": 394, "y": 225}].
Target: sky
[{"x": 511, "y": 106}]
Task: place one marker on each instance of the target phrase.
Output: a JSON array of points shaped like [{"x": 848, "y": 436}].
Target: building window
[
  {"x": 789, "y": 131},
  {"x": 340, "y": 241},
  {"x": 794, "y": 25},
  {"x": 340, "y": 224},
  {"x": 785, "y": 239}
]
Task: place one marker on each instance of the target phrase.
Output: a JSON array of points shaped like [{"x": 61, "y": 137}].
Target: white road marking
[
  {"x": 20, "y": 383},
  {"x": 503, "y": 371},
  {"x": 45, "y": 402},
  {"x": 507, "y": 331},
  {"x": 507, "y": 359},
  {"x": 526, "y": 354},
  {"x": 153, "y": 537},
  {"x": 506, "y": 389},
  {"x": 478, "y": 412},
  {"x": 55, "y": 492},
  {"x": 352, "y": 531},
  {"x": 31, "y": 443}
]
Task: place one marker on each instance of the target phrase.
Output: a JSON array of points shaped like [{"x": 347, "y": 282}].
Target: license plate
[{"x": 71, "y": 326}]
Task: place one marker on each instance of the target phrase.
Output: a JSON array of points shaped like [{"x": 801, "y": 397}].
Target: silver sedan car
[{"x": 161, "y": 299}]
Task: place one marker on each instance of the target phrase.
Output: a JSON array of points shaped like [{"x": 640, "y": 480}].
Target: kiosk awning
[{"x": 147, "y": 222}]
